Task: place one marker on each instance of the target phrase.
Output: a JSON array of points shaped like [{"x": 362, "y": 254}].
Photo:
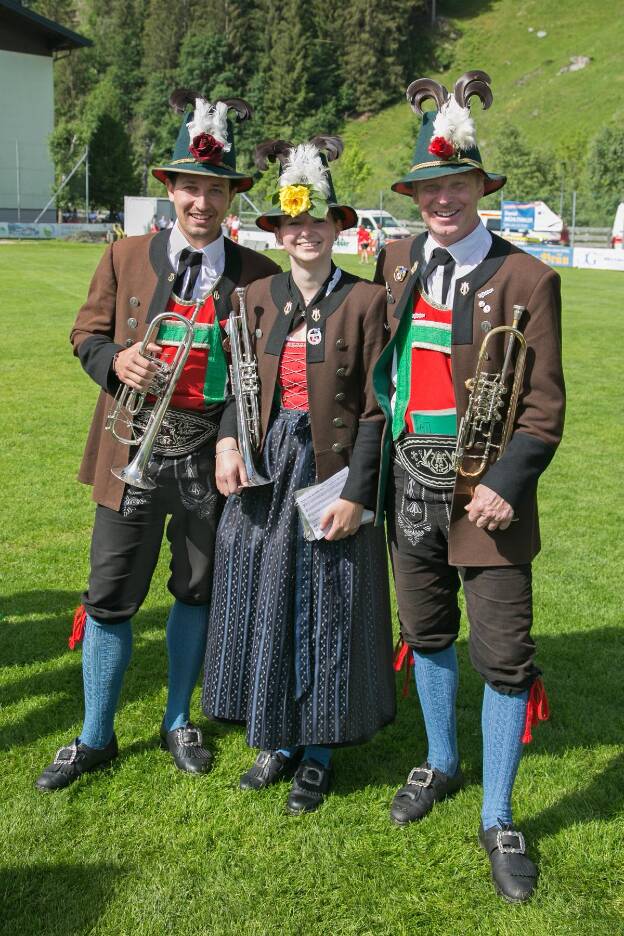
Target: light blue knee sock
[
  {"x": 437, "y": 677},
  {"x": 502, "y": 724},
  {"x": 186, "y": 644},
  {"x": 106, "y": 651},
  {"x": 322, "y": 755}
]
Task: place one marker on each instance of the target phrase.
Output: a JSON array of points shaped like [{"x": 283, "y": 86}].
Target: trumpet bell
[{"x": 134, "y": 476}]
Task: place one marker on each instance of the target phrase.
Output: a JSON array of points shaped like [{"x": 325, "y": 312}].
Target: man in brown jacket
[
  {"x": 187, "y": 270},
  {"x": 446, "y": 290}
]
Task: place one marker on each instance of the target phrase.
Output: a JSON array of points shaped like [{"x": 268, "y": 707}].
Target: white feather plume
[
  {"x": 453, "y": 122},
  {"x": 212, "y": 119},
  {"x": 304, "y": 167}
]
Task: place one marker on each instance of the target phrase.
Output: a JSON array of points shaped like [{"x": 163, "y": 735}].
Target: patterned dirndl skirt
[{"x": 299, "y": 635}]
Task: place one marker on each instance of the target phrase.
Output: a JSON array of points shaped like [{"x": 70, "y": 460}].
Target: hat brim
[
  {"x": 269, "y": 220},
  {"x": 405, "y": 186},
  {"x": 242, "y": 182}
]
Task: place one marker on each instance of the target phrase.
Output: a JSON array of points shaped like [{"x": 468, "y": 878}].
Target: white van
[
  {"x": 371, "y": 217},
  {"x": 617, "y": 234}
]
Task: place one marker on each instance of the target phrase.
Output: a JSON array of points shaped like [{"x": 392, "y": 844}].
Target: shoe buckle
[
  {"x": 420, "y": 776},
  {"x": 263, "y": 759},
  {"x": 191, "y": 737},
  {"x": 67, "y": 754},
  {"x": 312, "y": 775},
  {"x": 507, "y": 848}
]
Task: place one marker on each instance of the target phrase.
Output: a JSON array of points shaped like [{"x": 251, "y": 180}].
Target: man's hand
[
  {"x": 230, "y": 474},
  {"x": 488, "y": 509},
  {"x": 340, "y": 519},
  {"x": 135, "y": 370}
]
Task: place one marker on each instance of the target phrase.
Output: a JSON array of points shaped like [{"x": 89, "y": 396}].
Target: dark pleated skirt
[{"x": 299, "y": 635}]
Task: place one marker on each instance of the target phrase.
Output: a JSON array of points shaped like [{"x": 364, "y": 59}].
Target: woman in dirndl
[{"x": 299, "y": 638}]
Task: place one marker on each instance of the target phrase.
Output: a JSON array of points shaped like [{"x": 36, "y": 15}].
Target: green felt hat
[
  {"x": 305, "y": 183},
  {"x": 205, "y": 141},
  {"x": 447, "y": 142}
]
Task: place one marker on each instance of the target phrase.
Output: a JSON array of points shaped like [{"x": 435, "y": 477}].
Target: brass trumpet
[
  {"x": 487, "y": 425},
  {"x": 128, "y": 402},
  {"x": 246, "y": 390}
]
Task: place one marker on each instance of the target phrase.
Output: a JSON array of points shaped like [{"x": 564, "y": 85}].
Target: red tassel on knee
[
  {"x": 537, "y": 709},
  {"x": 78, "y": 628},
  {"x": 403, "y": 658}
]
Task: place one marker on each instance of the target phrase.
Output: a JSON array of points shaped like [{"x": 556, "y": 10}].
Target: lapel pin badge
[
  {"x": 400, "y": 273},
  {"x": 288, "y": 308},
  {"x": 464, "y": 288},
  {"x": 316, "y": 315},
  {"x": 314, "y": 336}
]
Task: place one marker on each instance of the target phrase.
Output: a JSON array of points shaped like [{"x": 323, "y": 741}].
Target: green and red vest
[
  {"x": 204, "y": 378},
  {"x": 425, "y": 399}
]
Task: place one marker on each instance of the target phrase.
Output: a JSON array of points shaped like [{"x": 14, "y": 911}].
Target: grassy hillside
[{"x": 549, "y": 108}]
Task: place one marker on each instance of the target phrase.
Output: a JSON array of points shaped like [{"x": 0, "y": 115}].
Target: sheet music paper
[{"x": 312, "y": 502}]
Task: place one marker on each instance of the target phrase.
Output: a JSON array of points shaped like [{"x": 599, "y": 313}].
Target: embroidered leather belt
[
  {"x": 428, "y": 459},
  {"x": 181, "y": 431}
]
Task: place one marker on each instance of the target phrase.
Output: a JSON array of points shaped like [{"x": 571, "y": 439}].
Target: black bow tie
[
  {"x": 190, "y": 260},
  {"x": 440, "y": 257}
]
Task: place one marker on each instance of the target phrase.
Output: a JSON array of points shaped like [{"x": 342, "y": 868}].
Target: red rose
[
  {"x": 205, "y": 148},
  {"x": 441, "y": 148}
]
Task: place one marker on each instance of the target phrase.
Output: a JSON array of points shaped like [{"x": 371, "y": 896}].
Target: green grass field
[{"x": 144, "y": 850}]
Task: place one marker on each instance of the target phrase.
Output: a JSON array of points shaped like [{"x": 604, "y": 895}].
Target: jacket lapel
[
  {"x": 159, "y": 259},
  {"x": 229, "y": 281},
  {"x": 463, "y": 300}
]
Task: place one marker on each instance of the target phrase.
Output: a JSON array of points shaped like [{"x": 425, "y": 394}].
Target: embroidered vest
[
  {"x": 425, "y": 398},
  {"x": 204, "y": 378}
]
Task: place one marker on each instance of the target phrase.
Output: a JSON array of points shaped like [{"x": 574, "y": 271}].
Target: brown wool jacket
[
  {"x": 345, "y": 418},
  {"x": 506, "y": 277},
  {"x": 131, "y": 285}
]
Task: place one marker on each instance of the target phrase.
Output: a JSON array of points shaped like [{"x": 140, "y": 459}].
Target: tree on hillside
[
  {"x": 606, "y": 169},
  {"x": 531, "y": 174}
]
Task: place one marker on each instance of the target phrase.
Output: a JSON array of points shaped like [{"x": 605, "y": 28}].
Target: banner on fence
[
  {"x": 553, "y": 256},
  {"x": 596, "y": 258},
  {"x": 15, "y": 229}
]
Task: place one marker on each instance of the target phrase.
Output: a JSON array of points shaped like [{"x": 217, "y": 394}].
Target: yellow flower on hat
[{"x": 295, "y": 199}]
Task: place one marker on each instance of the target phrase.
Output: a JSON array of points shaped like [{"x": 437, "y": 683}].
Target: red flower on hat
[
  {"x": 205, "y": 148},
  {"x": 441, "y": 147}
]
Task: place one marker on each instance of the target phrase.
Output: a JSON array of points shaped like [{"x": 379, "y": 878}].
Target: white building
[{"x": 28, "y": 45}]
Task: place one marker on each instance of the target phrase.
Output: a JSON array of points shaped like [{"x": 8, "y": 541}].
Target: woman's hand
[
  {"x": 340, "y": 519},
  {"x": 230, "y": 474}
]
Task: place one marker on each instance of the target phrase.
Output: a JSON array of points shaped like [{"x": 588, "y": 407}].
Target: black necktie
[
  {"x": 190, "y": 260},
  {"x": 440, "y": 257}
]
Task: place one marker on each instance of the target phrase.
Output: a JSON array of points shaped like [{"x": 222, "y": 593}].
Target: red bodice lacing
[{"x": 292, "y": 375}]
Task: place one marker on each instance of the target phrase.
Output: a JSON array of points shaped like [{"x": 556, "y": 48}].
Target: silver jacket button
[
  {"x": 129, "y": 342},
  {"x": 485, "y": 326},
  {"x": 340, "y": 343},
  {"x": 340, "y": 397},
  {"x": 338, "y": 422},
  {"x": 134, "y": 302},
  {"x": 132, "y": 323},
  {"x": 341, "y": 372},
  {"x": 258, "y": 333},
  {"x": 337, "y": 447}
]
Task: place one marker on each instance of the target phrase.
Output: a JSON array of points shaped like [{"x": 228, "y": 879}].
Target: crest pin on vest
[{"x": 464, "y": 288}]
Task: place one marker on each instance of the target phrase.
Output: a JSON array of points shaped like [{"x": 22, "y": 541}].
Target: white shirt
[
  {"x": 467, "y": 253},
  {"x": 213, "y": 260}
]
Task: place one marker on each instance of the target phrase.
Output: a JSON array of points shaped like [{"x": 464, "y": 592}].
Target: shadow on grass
[
  {"x": 29, "y": 897},
  {"x": 60, "y": 689},
  {"x": 24, "y": 641}
]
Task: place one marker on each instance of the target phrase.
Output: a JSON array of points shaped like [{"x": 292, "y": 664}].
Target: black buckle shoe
[
  {"x": 269, "y": 767},
  {"x": 423, "y": 789},
  {"x": 309, "y": 787},
  {"x": 185, "y": 746},
  {"x": 71, "y": 762},
  {"x": 513, "y": 873}
]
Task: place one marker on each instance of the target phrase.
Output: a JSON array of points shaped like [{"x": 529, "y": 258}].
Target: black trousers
[
  {"x": 126, "y": 543},
  {"x": 498, "y": 599}
]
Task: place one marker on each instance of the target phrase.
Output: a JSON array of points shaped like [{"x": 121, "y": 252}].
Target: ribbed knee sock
[
  {"x": 437, "y": 677},
  {"x": 186, "y": 644},
  {"x": 502, "y": 723},
  {"x": 106, "y": 651}
]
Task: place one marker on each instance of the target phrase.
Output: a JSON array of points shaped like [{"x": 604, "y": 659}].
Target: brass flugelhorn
[
  {"x": 246, "y": 391},
  {"x": 128, "y": 402},
  {"x": 487, "y": 424}
]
